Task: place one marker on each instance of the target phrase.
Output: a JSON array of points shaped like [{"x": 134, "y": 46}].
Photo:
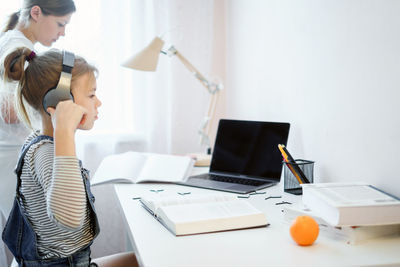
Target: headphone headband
[
  {"x": 68, "y": 59},
  {"x": 62, "y": 91}
]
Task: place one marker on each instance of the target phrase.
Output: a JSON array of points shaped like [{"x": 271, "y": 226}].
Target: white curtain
[{"x": 166, "y": 106}]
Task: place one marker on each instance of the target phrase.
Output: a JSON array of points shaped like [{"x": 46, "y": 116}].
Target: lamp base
[{"x": 201, "y": 160}]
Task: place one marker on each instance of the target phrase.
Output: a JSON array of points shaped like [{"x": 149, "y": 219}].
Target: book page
[
  {"x": 156, "y": 202},
  {"x": 120, "y": 167},
  {"x": 209, "y": 210},
  {"x": 165, "y": 168},
  {"x": 356, "y": 194}
]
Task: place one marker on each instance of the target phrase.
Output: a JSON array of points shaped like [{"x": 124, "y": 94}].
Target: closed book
[
  {"x": 196, "y": 214},
  {"x": 351, "y": 204}
]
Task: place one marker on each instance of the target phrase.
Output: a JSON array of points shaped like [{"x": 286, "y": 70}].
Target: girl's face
[
  {"x": 84, "y": 92},
  {"x": 49, "y": 28}
]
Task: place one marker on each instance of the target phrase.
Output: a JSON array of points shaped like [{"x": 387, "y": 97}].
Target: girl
[
  {"x": 38, "y": 21},
  {"x": 53, "y": 221}
]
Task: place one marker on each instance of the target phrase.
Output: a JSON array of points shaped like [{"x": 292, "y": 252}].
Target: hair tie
[{"x": 31, "y": 56}]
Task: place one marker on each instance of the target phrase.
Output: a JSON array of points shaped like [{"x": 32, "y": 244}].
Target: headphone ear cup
[
  {"x": 62, "y": 91},
  {"x": 53, "y": 96}
]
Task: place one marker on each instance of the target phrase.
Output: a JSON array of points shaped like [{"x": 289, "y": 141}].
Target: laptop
[{"x": 246, "y": 157}]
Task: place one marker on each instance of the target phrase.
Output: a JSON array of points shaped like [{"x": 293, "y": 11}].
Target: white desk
[{"x": 270, "y": 246}]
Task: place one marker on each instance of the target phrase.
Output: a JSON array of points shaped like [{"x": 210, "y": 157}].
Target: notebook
[{"x": 246, "y": 157}]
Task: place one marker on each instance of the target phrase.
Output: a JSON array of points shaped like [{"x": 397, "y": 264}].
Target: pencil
[
  {"x": 296, "y": 167},
  {"x": 285, "y": 158}
]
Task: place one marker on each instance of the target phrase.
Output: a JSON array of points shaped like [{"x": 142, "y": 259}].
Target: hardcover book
[{"x": 351, "y": 204}]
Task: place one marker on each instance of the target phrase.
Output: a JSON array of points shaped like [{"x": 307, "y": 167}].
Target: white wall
[{"x": 332, "y": 69}]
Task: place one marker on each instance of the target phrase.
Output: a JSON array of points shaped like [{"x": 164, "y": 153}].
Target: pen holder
[{"x": 291, "y": 184}]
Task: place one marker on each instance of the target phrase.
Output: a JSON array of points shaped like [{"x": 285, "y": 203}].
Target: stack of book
[
  {"x": 354, "y": 212},
  {"x": 352, "y": 235}
]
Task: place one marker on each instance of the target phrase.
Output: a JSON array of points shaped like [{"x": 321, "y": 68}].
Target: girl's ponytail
[
  {"x": 12, "y": 21},
  {"x": 14, "y": 64},
  {"x": 14, "y": 69}
]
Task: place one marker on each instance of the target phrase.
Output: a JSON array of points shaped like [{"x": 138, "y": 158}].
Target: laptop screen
[{"x": 249, "y": 148}]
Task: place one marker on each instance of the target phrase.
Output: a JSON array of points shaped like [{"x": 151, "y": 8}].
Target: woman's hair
[
  {"x": 49, "y": 7},
  {"x": 43, "y": 73}
]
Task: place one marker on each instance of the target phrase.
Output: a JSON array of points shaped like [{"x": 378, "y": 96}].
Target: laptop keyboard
[{"x": 229, "y": 179}]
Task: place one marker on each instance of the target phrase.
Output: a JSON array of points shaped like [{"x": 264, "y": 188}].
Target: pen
[{"x": 296, "y": 167}]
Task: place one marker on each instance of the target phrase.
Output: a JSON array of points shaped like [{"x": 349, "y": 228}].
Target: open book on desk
[
  {"x": 191, "y": 214},
  {"x": 137, "y": 167}
]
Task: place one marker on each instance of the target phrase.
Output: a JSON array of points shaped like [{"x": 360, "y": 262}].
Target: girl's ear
[{"x": 35, "y": 13}]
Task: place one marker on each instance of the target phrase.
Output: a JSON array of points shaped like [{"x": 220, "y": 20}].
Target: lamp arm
[
  {"x": 211, "y": 112},
  {"x": 212, "y": 88}
]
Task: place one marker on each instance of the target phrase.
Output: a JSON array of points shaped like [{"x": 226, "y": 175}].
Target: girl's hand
[
  {"x": 67, "y": 116},
  {"x": 66, "y": 119}
]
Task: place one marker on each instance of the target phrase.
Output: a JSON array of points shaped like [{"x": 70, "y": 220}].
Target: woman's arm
[{"x": 8, "y": 112}]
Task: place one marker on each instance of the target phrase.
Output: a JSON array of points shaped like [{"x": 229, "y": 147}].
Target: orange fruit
[{"x": 304, "y": 230}]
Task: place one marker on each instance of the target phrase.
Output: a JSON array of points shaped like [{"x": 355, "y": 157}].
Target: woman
[{"x": 38, "y": 21}]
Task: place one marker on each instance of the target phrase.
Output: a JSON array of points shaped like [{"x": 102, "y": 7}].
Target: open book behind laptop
[{"x": 246, "y": 157}]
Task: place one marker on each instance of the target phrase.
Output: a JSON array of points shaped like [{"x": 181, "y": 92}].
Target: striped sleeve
[{"x": 63, "y": 186}]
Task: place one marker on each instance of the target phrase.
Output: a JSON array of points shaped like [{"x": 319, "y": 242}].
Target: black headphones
[{"x": 62, "y": 91}]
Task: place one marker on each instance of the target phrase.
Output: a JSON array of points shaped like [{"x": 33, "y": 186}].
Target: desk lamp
[{"x": 147, "y": 60}]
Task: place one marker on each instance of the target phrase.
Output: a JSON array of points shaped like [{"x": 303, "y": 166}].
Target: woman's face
[
  {"x": 49, "y": 28},
  {"x": 84, "y": 92}
]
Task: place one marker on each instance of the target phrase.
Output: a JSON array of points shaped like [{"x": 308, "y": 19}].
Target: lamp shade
[{"x": 147, "y": 59}]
